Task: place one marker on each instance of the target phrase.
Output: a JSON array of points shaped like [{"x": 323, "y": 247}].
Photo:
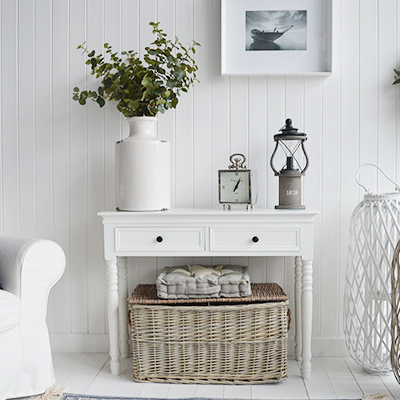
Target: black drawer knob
[
  {"x": 255, "y": 239},
  {"x": 159, "y": 239}
]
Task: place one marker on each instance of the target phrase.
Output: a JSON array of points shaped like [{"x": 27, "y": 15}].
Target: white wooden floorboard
[
  {"x": 332, "y": 378},
  {"x": 57, "y": 357},
  {"x": 341, "y": 378},
  {"x": 292, "y": 387},
  {"x": 319, "y": 386},
  {"x": 182, "y": 391},
  {"x": 105, "y": 382},
  {"x": 210, "y": 391},
  {"x": 86, "y": 373},
  {"x": 369, "y": 384},
  {"x": 159, "y": 390},
  {"x": 67, "y": 367},
  {"x": 392, "y": 385},
  {"x": 237, "y": 392},
  {"x": 127, "y": 387}
]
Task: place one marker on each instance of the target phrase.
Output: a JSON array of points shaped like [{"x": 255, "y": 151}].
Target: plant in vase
[{"x": 141, "y": 90}]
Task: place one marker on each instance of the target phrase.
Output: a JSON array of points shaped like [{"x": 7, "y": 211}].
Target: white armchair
[{"x": 29, "y": 268}]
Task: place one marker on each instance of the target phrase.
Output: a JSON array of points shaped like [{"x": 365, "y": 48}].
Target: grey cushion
[{"x": 198, "y": 281}]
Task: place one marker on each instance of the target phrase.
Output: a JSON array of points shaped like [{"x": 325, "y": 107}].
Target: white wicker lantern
[
  {"x": 374, "y": 233},
  {"x": 395, "y": 353}
]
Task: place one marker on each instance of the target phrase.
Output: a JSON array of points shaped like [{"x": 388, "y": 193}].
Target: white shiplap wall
[{"x": 57, "y": 157}]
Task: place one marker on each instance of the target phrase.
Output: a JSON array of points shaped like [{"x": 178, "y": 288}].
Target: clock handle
[
  {"x": 159, "y": 239},
  {"x": 255, "y": 239}
]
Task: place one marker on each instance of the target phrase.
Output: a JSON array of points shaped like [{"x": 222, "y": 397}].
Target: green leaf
[
  {"x": 100, "y": 101},
  {"x": 171, "y": 83},
  {"x": 179, "y": 75},
  {"x": 108, "y": 83}
]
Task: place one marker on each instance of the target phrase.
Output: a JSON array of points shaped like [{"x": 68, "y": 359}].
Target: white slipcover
[{"x": 28, "y": 270}]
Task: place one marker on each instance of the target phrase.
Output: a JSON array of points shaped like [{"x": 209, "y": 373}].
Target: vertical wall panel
[
  {"x": 239, "y": 128},
  {"x": 386, "y": 95},
  {"x": 95, "y": 179},
  {"x": 61, "y": 184},
  {"x": 312, "y": 181},
  {"x": 43, "y": 122},
  {"x": 203, "y": 173},
  {"x": 184, "y": 152},
  {"x": 26, "y": 120},
  {"x": 330, "y": 189},
  {"x": 58, "y": 157},
  {"x": 350, "y": 131},
  {"x": 369, "y": 94},
  {"x": 257, "y": 157},
  {"x": 78, "y": 173},
  {"x": 9, "y": 118}
]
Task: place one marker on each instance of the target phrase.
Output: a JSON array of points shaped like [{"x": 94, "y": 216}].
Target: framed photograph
[{"x": 276, "y": 37}]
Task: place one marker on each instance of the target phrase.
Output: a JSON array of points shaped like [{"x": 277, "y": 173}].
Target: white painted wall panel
[
  {"x": 61, "y": 160},
  {"x": 57, "y": 158},
  {"x": 10, "y": 118}
]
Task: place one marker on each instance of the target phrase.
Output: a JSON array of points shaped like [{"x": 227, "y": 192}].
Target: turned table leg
[
  {"x": 306, "y": 317},
  {"x": 297, "y": 308},
  {"x": 112, "y": 309},
  {"x": 123, "y": 306}
]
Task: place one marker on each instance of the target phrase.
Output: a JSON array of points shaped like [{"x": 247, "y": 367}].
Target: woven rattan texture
[
  {"x": 244, "y": 343},
  {"x": 373, "y": 234},
  {"x": 395, "y": 328}
]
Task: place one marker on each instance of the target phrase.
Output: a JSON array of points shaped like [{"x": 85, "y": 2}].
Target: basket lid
[{"x": 261, "y": 293}]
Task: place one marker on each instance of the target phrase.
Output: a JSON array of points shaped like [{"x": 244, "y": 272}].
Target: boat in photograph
[{"x": 270, "y": 35}]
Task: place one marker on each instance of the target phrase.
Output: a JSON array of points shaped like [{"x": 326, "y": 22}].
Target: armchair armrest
[{"x": 29, "y": 267}]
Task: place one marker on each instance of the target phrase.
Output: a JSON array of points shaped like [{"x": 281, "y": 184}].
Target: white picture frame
[{"x": 248, "y": 46}]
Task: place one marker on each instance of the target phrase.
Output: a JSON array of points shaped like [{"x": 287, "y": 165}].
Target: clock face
[{"x": 234, "y": 186}]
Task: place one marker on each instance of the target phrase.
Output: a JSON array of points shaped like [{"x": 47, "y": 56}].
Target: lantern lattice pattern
[
  {"x": 374, "y": 232},
  {"x": 395, "y": 352}
]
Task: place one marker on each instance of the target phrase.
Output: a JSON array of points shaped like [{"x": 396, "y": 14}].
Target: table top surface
[{"x": 178, "y": 212}]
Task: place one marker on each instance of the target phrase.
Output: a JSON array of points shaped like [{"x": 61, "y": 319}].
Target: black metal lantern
[{"x": 290, "y": 175}]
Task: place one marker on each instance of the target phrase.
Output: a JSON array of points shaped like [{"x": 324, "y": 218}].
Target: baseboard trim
[{"x": 98, "y": 343}]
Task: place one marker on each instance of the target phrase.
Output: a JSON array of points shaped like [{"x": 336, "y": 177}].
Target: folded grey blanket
[{"x": 198, "y": 281}]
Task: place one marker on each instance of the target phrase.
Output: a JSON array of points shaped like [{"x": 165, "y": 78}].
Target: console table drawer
[
  {"x": 155, "y": 239},
  {"x": 254, "y": 239}
]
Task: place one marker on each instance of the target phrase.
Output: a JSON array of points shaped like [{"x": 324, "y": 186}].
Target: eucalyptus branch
[{"x": 142, "y": 89}]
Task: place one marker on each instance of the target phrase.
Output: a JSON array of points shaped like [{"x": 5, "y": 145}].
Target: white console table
[{"x": 208, "y": 233}]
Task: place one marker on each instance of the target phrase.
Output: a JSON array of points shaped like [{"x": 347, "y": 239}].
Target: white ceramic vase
[{"x": 142, "y": 168}]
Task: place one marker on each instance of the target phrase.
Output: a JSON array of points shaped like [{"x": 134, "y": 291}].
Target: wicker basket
[{"x": 226, "y": 340}]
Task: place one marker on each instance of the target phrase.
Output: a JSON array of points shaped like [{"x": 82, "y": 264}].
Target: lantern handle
[{"x": 373, "y": 165}]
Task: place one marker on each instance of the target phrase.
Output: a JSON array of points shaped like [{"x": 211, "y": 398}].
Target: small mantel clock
[{"x": 237, "y": 184}]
